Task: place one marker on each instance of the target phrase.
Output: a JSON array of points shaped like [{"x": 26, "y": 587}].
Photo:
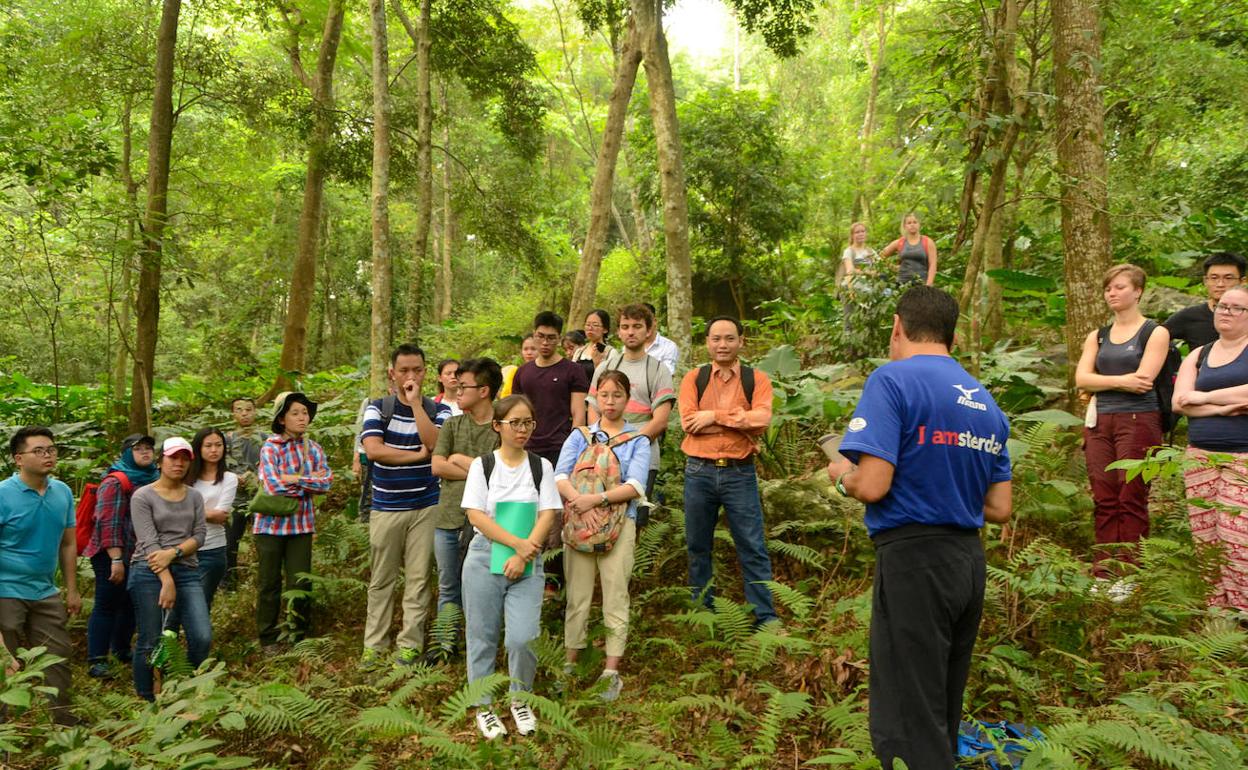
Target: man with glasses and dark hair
[
  {"x": 399, "y": 433},
  {"x": 36, "y": 535},
  {"x": 1194, "y": 325},
  {"x": 557, "y": 388}
]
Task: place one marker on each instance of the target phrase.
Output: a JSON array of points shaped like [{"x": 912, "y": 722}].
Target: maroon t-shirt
[{"x": 550, "y": 388}]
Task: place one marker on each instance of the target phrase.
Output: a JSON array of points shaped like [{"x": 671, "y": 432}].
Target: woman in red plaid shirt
[{"x": 294, "y": 466}]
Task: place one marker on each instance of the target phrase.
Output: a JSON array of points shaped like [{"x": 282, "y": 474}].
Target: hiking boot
[
  {"x": 526, "y": 722},
  {"x": 490, "y": 725},
  {"x": 369, "y": 659},
  {"x": 100, "y": 670},
  {"x": 407, "y": 656},
  {"x": 614, "y": 685},
  {"x": 436, "y": 655}
]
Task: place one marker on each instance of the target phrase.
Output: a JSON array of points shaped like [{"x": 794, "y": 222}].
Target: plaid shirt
[
  {"x": 280, "y": 456},
  {"x": 112, "y": 520}
]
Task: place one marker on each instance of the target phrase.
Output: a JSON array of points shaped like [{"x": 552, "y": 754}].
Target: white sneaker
[
  {"x": 1121, "y": 590},
  {"x": 1099, "y": 586},
  {"x": 526, "y": 722},
  {"x": 490, "y": 725}
]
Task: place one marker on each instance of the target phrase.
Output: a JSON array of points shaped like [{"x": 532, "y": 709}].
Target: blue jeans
[
  {"x": 489, "y": 599},
  {"x": 111, "y": 625},
  {"x": 446, "y": 552},
  {"x": 192, "y": 611},
  {"x": 212, "y": 566},
  {"x": 735, "y": 487}
]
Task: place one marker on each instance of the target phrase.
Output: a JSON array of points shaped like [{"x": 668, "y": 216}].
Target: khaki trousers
[
  {"x": 399, "y": 540},
  {"x": 614, "y": 569},
  {"x": 41, "y": 623}
]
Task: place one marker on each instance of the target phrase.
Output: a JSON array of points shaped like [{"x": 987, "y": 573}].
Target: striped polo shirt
[{"x": 402, "y": 487}]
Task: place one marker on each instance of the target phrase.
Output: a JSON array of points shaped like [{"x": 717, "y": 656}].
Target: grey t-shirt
[
  {"x": 160, "y": 524},
  {"x": 651, "y": 387}
]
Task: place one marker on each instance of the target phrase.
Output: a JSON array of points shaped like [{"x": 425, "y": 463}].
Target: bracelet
[
  {"x": 119, "y": 561},
  {"x": 840, "y": 484}
]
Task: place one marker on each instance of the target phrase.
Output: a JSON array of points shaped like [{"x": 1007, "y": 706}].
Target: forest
[{"x": 208, "y": 199}]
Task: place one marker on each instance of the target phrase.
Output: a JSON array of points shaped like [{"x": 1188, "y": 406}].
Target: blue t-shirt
[
  {"x": 402, "y": 487},
  {"x": 31, "y": 527},
  {"x": 944, "y": 436}
]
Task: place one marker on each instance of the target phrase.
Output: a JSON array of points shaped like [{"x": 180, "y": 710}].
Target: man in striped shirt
[{"x": 399, "y": 433}]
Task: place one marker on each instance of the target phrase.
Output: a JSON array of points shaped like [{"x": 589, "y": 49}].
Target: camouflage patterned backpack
[{"x": 597, "y": 470}]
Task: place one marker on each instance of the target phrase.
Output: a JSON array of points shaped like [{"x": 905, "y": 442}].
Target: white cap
[{"x": 175, "y": 444}]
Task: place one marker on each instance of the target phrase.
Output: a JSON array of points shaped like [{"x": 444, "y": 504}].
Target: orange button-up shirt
[{"x": 737, "y": 424}]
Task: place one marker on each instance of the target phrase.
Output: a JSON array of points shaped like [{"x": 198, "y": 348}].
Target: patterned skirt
[{"x": 1221, "y": 517}]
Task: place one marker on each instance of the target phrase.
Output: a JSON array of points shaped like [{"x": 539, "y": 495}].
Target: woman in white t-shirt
[
  {"x": 858, "y": 256},
  {"x": 510, "y": 602},
  {"x": 217, "y": 486}
]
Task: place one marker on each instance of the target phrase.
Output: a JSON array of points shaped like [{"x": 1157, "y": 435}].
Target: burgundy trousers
[{"x": 1121, "y": 513}]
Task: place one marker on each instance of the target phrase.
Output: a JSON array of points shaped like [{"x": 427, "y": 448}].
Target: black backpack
[
  {"x": 535, "y": 467},
  {"x": 747, "y": 382},
  {"x": 391, "y": 402},
  {"x": 1163, "y": 383}
]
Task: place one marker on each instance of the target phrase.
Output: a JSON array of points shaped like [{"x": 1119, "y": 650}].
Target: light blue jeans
[
  {"x": 492, "y": 603},
  {"x": 446, "y": 553}
]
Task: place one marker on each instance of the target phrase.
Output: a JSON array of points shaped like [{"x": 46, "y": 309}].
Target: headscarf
[{"x": 138, "y": 476}]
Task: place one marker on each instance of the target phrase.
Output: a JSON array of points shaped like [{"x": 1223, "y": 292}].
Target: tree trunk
[
  {"x": 383, "y": 267},
  {"x": 159, "y": 143},
  {"x": 875, "y": 60},
  {"x": 446, "y": 275},
  {"x": 303, "y": 272},
  {"x": 424, "y": 167},
  {"x": 121, "y": 309},
  {"x": 1007, "y": 97},
  {"x": 1080, "y": 124},
  {"x": 601, "y": 193},
  {"x": 648, "y": 15}
]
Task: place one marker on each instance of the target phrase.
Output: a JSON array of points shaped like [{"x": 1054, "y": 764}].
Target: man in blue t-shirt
[
  {"x": 405, "y": 499},
  {"x": 926, "y": 453},
  {"x": 37, "y": 536}
]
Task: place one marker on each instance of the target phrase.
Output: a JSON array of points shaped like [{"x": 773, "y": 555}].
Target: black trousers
[{"x": 925, "y": 610}]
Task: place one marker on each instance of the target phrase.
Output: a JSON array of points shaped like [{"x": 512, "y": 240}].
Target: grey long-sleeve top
[{"x": 160, "y": 524}]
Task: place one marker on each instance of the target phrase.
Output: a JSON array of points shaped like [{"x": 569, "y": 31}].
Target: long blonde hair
[
  {"x": 853, "y": 227},
  {"x": 906, "y": 216}
]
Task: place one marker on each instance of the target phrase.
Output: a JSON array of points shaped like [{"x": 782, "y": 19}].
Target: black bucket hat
[{"x": 282, "y": 404}]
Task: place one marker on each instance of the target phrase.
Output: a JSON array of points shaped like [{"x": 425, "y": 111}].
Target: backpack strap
[
  {"x": 388, "y": 404},
  {"x": 702, "y": 380},
  {"x": 123, "y": 480},
  {"x": 624, "y": 438},
  {"x": 535, "y": 467},
  {"x": 747, "y": 382},
  {"x": 1102, "y": 334},
  {"x": 1203, "y": 356}
]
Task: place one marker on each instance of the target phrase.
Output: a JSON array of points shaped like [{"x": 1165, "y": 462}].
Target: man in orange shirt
[{"x": 724, "y": 407}]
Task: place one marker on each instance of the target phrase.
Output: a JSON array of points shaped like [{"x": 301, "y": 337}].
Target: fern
[
  {"x": 469, "y": 696},
  {"x": 733, "y": 622},
  {"x": 444, "y": 634},
  {"x": 782, "y": 708},
  {"x": 799, "y": 553},
  {"x": 650, "y": 544},
  {"x": 721, "y": 703},
  {"x": 793, "y": 600}
]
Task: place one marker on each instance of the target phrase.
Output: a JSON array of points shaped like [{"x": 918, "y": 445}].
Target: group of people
[
  {"x": 504, "y": 465},
  {"x": 1123, "y": 366},
  {"x": 915, "y": 253}
]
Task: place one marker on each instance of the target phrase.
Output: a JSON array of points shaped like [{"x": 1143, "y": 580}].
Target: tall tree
[
  {"x": 445, "y": 272},
  {"x": 320, "y": 85},
  {"x": 603, "y": 188},
  {"x": 1081, "y": 163},
  {"x": 422, "y": 38},
  {"x": 383, "y": 267},
  {"x": 159, "y": 143},
  {"x": 874, "y": 50}
]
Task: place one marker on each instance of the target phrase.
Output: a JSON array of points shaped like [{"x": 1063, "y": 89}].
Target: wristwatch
[
  {"x": 840, "y": 484},
  {"x": 604, "y": 499},
  {"x": 177, "y": 552}
]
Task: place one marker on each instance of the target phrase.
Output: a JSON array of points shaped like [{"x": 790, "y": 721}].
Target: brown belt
[{"x": 725, "y": 462}]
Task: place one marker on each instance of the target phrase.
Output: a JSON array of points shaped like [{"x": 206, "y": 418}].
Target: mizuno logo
[{"x": 967, "y": 400}]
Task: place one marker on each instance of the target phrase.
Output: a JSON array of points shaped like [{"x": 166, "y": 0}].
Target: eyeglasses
[
  {"x": 519, "y": 423},
  {"x": 1233, "y": 310},
  {"x": 1222, "y": 279},
  {"x": 472, "y": 387},
  {"x": 547, "y": 337},
  {"x": 42, "y": 451}
]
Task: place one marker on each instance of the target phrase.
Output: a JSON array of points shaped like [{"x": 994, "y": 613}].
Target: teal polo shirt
[{"x": 31, "y": 526}]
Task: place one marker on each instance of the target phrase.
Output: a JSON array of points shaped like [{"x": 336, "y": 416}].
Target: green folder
[{"x": 518, "y": 519}]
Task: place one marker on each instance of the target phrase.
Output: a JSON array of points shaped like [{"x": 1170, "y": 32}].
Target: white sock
[{"x": 610, "y": 672}]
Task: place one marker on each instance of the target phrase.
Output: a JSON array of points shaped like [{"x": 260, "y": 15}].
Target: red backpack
[{"x": 84, "y": 514}]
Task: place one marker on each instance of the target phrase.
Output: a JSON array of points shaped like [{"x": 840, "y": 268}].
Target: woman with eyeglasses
[
  {"x": 511, "y": 502},
  {"x": 1118, "y": 366},
  {"x": 590, "y": 511},
  {"x": 1212, "y": 390}
]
